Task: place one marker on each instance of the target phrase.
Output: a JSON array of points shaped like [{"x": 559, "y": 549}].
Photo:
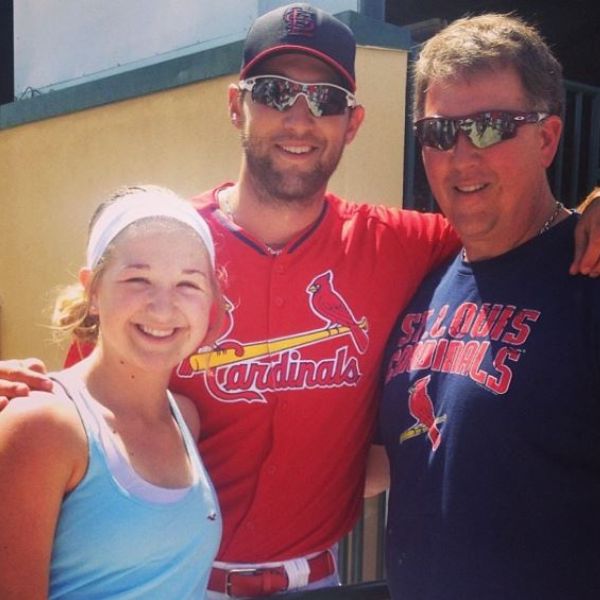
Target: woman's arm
[{"x": 43, "y": 454}]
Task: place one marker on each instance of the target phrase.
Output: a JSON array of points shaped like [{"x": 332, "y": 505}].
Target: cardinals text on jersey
[{"x": 241, "y": 372}]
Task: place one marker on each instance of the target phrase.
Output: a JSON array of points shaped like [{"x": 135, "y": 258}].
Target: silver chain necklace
[{"x": 557, "y": 208}]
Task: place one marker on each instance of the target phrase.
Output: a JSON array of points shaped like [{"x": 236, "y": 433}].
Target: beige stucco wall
[{"x": 54, "y": 172}]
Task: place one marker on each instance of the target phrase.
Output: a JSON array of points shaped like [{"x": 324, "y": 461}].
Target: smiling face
[
  {"x": 496, "y": 197},
  {"x": 153, "y": 296},
  {"x": 290, "y": 155}
]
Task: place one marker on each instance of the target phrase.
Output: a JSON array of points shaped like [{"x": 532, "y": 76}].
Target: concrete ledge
[{"x": 167, "y": 74}]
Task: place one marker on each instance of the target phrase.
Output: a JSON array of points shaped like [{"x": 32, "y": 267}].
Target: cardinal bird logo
[
  {"x": 328, "y": 304},
  {"x": 421, "y": 408}
]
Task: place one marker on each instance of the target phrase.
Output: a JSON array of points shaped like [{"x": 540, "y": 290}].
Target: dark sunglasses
[
  {"x": 483, "y": 129},
  {"x": 323, "y": 99}
]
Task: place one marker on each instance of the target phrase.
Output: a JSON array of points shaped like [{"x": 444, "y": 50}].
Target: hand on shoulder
[{"x": 19, "y": 377}]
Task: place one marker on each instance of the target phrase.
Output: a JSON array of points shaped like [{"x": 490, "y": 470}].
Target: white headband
[{"x": 131, "y": 208}]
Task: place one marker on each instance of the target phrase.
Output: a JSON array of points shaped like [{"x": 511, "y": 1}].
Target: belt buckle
[{"x": 230, "y": 572}]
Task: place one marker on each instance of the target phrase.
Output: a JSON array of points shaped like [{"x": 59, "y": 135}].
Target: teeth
[
  {"x": 297, "y": 149},
  {"x": 470, "y": 188},
  {"x": 159, "y": 333}
]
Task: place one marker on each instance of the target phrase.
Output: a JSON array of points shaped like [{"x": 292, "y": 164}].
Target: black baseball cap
[{"x": 300, "y": 27}]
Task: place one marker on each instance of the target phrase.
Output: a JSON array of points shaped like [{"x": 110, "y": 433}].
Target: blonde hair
[{"x": 71, "y": 316}]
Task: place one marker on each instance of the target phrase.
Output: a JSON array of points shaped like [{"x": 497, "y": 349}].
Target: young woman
[{"x": 103, "y": 492}]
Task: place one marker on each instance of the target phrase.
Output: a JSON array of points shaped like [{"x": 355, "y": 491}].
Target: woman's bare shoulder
[{"x": 40, "y": 424}]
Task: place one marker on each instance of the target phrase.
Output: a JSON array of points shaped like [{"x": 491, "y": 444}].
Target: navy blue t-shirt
[{"x": 491, "y": 420}]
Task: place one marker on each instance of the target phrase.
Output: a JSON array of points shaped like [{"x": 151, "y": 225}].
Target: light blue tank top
[{"x": 112, "y": 543}]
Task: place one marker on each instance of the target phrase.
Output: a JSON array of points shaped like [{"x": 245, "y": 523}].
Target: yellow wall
[{"x": 54, "y": 172}]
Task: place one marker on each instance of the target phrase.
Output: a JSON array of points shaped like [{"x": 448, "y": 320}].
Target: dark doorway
[
  {"x": 571, "y": 28},
  {"x": 7, "y": 54}
]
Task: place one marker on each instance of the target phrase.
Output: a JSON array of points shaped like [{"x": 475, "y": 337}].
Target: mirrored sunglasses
[
  {"x": 483, "y": 129},
  {"x": 323, "y": 99}
]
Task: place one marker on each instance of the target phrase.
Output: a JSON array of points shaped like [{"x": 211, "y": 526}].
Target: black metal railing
[
  {"x": 576, "y": 169},
  {"x": 360, "y": 556}
]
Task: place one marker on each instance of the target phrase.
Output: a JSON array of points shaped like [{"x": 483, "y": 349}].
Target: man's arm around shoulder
[{"x": 19, "y": 377}]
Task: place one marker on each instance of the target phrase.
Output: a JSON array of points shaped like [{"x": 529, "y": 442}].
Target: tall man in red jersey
[{"x": 314, "y": 284}]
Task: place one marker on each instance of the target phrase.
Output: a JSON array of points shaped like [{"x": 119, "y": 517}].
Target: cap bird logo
[
  {"x": 300, "y": 21},
  {"x": 420, "y": 406}
]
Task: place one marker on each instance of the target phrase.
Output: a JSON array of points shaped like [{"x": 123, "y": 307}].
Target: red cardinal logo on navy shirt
[{"x": 421, "y": 408}]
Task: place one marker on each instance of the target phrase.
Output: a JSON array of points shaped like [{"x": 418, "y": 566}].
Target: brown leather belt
[{"x": 254, "y": 582}]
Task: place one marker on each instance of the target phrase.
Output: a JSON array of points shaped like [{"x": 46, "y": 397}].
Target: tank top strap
[
  {"x": 188, "y": 440},
  {"x": 98, "y": 431},
  {"x": 72, "y": 386}
]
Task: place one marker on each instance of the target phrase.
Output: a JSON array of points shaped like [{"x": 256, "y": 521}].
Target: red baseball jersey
[{"x": 287, "y": 405}]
